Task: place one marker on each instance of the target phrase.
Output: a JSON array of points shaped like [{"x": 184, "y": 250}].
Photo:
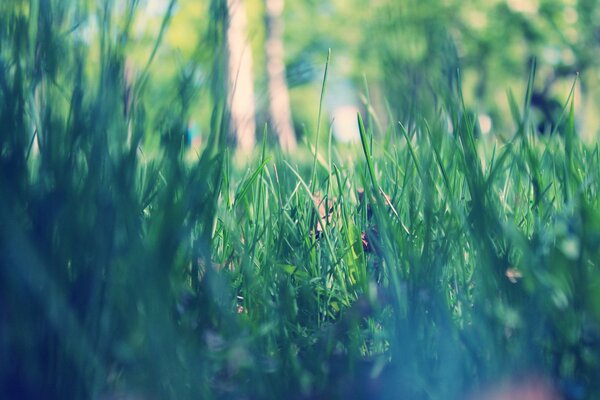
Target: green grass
[{"x": 428, "y": 268}]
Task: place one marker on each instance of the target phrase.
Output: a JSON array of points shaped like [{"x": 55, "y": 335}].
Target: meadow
[{"x": 428, "y": 261}]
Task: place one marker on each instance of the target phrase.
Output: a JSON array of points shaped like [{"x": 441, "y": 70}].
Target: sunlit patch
[
  {"x": 157, "y": 7},
  {"x": 485, "y": 124},
  {"x": 524, "y": 6},
  {"x": 478, "y": 19},
  {"x": 345, "y": 127},
  {"x": 551, "y": 55},
  {"x": 570, "y": 14},
  {"x": 87, "y": 31}
]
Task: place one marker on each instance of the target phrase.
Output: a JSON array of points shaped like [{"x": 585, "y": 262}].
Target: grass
[{"x": 431, "y": 268}]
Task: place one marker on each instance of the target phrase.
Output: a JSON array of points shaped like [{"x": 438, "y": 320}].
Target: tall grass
[{"x": 429, "y": 268}]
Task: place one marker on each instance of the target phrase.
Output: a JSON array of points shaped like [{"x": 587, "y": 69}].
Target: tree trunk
[
  {"x": 240, "y": 78},
  {"x": 279, "y": 98}
]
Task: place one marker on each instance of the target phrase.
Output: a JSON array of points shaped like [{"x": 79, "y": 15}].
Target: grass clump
[{"x": 430, "y": 268}]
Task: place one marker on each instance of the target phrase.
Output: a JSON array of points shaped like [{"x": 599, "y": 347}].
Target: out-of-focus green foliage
[{"x": 411, "y": 51}]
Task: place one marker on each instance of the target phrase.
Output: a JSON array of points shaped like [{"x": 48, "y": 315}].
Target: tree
[
  {"x": 279, "y": 98},
  {"x": 240, "y": 92}
]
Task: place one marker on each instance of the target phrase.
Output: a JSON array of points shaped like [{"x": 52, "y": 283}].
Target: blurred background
[{"x": 399, "y": 58}]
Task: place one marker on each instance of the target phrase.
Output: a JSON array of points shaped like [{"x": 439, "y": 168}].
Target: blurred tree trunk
[
  {"x": 279, "y": 98},
  {"x": 241, "y": 85}
]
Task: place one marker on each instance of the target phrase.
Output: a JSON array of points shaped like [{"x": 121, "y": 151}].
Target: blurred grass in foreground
[{"x": 432, "y": 267}]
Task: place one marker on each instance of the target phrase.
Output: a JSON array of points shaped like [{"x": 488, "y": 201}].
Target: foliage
[{"x": 433, "y": 264}]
